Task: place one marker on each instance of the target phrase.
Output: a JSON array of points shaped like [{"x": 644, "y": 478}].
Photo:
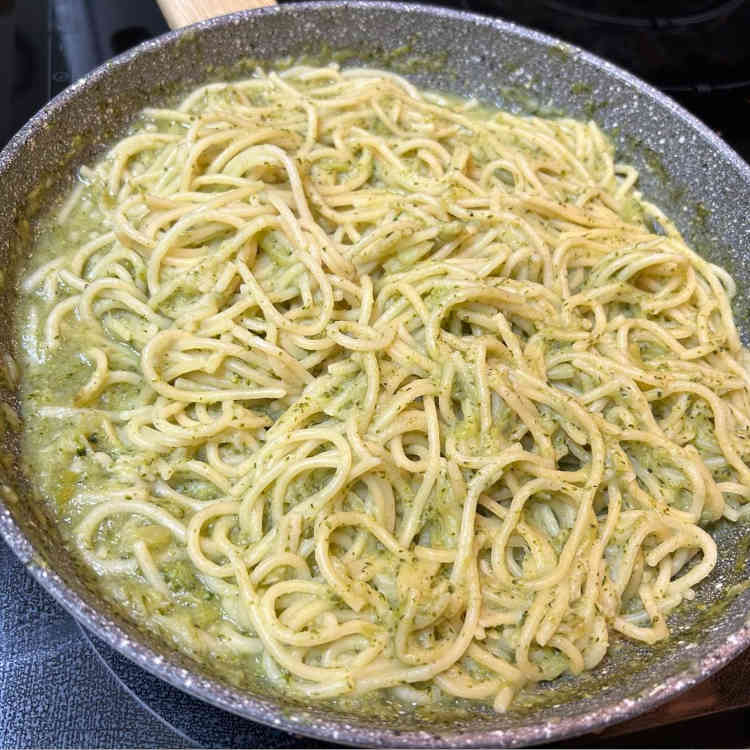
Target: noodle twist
[{"x": 418, "y": 396}]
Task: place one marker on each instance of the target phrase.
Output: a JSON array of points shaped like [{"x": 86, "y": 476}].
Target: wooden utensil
[{"x": 184, "y": 12}]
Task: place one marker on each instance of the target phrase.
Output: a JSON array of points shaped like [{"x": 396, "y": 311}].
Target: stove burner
[
  {"x": 659, "y": 14},
  {"x": 196, "y": 723},
  {"x": 695, "y": 50}
]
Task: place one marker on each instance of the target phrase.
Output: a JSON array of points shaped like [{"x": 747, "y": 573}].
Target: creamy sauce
[{"x": 369, "y": 390}]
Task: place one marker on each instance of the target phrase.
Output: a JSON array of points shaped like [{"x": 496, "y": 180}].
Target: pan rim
[{"x": 270, "y": 711}]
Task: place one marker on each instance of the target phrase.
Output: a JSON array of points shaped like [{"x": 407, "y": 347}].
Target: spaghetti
[{"x": 383, "y": 391}]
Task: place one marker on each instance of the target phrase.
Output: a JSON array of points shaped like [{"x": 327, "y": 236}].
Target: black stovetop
[{"x": 58, "y": 687}]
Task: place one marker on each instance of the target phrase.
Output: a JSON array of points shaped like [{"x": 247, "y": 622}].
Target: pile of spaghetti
[{"x": 421, "y": 396}]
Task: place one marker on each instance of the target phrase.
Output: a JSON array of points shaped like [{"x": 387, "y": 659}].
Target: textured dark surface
[
  {"x": 195, "y": 721},
  {"x": 38, "y": 644},
  {"x": 683, "y": 165}
]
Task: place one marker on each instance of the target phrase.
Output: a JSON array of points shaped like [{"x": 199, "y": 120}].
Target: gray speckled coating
[{"x": 685, "y": 168}]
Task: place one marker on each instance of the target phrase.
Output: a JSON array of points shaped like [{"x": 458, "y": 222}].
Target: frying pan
[{"x": 685, "y": 168}]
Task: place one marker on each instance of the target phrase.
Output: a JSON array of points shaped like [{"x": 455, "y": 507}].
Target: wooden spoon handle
[{"x": 184, "y": 12}]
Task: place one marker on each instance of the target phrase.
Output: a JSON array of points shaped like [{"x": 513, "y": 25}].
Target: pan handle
[{"x": 184, "y": 12}]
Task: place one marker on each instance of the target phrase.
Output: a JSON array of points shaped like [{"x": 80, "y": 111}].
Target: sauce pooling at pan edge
[{"x": 373, "y": 390}]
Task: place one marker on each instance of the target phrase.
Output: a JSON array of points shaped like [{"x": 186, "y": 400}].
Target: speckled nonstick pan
[{"x": 685, "y": 168}]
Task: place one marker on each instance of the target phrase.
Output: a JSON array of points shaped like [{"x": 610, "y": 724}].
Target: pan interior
[{"x": 700, "y": 184}]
